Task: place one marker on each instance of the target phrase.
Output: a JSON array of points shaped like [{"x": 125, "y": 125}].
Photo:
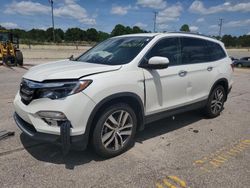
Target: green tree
[
  {"x": 92, "y": 34},
  {"x": 137, "y": 29},
  {"x": 74, "y": 34},
  {"x": 37, "y": 35},
  {"x": 244, "y": 41},
  {"x": 49, "y": 34},
  {"x": 185, "y": 28},
  {"x": 59, "y": 35},
  {"x": 228, "y": 40},
  {"x": 102, "y": 36},
  {"x": 122, "y": 30},
  {"x": 128, "y": 30},
  {"x": 119, "y": 30},
  {"x": 22, "y": 34}
]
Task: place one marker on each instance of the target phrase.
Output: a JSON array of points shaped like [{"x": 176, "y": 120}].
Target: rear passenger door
[{"x": 200, "y": 70}]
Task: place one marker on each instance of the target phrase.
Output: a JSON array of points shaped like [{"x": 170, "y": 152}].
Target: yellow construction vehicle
[{"x": 10, "y": 53}]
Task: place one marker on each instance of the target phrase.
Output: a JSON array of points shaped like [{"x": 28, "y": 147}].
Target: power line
[
  {"x": 155, "y": 15},
  {"x": 220, "y": 25}
]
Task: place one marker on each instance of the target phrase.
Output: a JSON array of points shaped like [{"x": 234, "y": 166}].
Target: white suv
[{"x": 111, "y": 91}]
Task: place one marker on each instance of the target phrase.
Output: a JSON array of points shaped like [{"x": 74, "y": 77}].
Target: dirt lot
[
  {"x": 51, "y": 52},
  {"x": 188, "y": 151},
  {"x": 238, "y": 53}
]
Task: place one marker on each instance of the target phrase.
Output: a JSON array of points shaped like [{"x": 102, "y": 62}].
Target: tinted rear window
[
  {"x": 215, "y": 50},
  {"x": 194, "y": 50}
]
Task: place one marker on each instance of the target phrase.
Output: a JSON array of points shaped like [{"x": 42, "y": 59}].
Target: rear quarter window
[{"x": 215, "y": 51}]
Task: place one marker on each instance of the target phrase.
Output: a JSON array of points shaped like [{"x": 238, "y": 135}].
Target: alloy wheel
[
  {"x": 117, "y": 130},
  {"x": 217, "y": 102}
]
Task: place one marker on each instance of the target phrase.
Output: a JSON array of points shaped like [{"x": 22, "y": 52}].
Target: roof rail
[{"x": 192, "y": 33}]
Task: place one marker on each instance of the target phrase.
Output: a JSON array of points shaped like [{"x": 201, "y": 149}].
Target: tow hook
[{"x": 65, "y": 137}]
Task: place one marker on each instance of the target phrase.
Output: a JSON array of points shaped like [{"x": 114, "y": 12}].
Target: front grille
[{"x": 26, "y": 93}]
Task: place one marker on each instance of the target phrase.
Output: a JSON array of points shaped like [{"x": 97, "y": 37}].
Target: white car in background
[{"x": 110, "y": 92}]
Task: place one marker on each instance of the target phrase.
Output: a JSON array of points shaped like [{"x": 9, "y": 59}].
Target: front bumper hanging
[
  {"x": 66, "y": 141},
  {"x": 65, "y": 136}
]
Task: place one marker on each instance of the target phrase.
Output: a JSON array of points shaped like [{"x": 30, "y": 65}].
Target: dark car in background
[
  {"x": 242, "y": 62},
  {"x": 233, "y": 58}
]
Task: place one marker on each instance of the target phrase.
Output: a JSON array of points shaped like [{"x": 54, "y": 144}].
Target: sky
[{"x": 201, "y": 16}]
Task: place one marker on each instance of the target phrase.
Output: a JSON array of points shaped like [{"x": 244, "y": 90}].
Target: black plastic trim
[
  {"x": 168, "y": 113},
  {"x": 27, "y": 128}
]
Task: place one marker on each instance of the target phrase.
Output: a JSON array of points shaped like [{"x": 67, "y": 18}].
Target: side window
[
  {"x": 246, "y": 58},
  {"x": 193, "y": 50},
  {"x": 215, "y": 50},
  {"x": 169, "y": 48}
]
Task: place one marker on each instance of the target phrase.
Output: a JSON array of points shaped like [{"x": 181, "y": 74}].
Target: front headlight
[{"x": 57, "y": 90}]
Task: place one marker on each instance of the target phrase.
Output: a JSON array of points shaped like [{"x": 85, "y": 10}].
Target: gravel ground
[
  {"x": 239, "y": 53},
  {"x": 188, "y": 151}
]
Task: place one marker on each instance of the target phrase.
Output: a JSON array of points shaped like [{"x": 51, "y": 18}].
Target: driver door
[{"x": 165, "y": 88}]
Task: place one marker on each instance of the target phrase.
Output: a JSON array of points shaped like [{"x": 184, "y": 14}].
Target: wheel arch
[
  {"x": 224, "y": 83},
  {"x": 131, "y": 99}
]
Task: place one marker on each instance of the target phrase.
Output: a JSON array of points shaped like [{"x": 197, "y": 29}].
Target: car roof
[
  {"x": 139, "y": 35},
  {"x": 187, "y": 34}
]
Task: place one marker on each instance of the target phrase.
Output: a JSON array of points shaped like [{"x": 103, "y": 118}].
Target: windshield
[{"x": 115, "y": 51}]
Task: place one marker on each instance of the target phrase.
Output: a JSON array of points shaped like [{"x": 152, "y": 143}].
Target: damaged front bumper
[{"x": 78, "y": 142}]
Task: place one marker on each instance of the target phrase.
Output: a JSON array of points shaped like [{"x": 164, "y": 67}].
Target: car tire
[
  {"x": 239, "y": 65},
  {"x": 215, "y": 102},
  {"x": 114, "y": 131}
]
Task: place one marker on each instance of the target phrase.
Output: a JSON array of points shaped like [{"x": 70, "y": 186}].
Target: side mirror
[{"x": 156, "y": 62}]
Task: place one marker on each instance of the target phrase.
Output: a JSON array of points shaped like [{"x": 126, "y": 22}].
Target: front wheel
[
  {"x": 115, "y": 130},
  {"x": 215, "y": 102}
]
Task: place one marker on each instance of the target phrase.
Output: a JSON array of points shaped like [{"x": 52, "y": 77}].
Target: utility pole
[
  {"x": 220, "y": 25},
  {"x": 52, "y": 15},
  {"x": 155, "y": 15}
]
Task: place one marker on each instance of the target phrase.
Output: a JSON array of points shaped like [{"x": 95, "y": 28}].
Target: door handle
[
  {"x": 209, "y": 68},
  {"x": 182, "y": 73}
]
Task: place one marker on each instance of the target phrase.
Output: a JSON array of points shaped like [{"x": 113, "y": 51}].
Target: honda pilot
[{"x": 107, "y": 94}]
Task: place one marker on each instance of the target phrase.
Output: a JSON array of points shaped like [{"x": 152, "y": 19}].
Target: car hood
[{"x": 66, "y": 69}]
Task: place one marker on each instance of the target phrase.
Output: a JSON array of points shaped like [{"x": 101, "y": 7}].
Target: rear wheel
[
  {"x": 239, "y": 65},
  {"x": 215, "y": 102},
  {"x": 115, "y": 130},
  {"x": 19, "y": 58}
]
